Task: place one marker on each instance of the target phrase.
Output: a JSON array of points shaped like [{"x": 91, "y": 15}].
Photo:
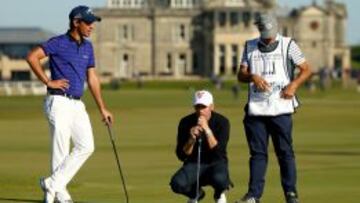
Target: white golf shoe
[
  {"x": 222, "y": 199},
  {"x": 49, "y": 194},
  {"x": 63, "y": 196}
]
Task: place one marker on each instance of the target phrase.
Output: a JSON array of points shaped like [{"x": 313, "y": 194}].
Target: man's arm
[
  {"x": 184, "y": 142},
  {"x": 33, "y": 60},
  {"x": 189, "y": 146},
  {"x": 223, "y": 136},
  {"x": 94, "y": 86},
  {"x": 195, "y": 132},
  {"x": 304, "y": 74}
]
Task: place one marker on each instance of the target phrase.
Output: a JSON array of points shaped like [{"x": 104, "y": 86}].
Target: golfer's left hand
[{"x": 107, "y": 117}]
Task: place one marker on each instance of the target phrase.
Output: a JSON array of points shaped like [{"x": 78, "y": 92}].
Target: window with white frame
[
  {"x": 126, "y": 32},
  {"x": 180, "y": 33}
]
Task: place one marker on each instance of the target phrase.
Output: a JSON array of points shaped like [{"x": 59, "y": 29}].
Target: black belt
[{"x": 52, "y": 92}]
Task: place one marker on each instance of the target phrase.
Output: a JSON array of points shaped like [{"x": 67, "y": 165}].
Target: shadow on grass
[
  {"x": 19, "y": 200},
  {"x": 24, "y": 200},
  {"x": 329, "y": 153}
]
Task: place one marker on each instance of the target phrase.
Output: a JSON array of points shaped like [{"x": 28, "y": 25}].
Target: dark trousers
[
  {"x": 216, "y": 175},
  {"x": 258, "y": 129}
]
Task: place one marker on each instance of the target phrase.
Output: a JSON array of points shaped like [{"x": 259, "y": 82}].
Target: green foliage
[
  {"x": 326, "y": 139},
  {"x": 355, "y": 57}
]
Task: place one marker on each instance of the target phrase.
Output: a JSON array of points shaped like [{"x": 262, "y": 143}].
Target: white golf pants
[{"x": 68, "y": 122}]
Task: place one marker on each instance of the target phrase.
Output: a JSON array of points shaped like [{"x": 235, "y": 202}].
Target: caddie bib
[{"x": 273, "y": 67}]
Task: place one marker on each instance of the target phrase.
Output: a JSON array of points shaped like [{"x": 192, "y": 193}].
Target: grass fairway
[{"x": 326, "y": 137}]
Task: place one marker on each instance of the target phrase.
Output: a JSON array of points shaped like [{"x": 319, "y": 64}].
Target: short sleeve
[
  {"x": 91, "y": 63},
  {"x": 51, "y": 46},
  {"x": 296, "y": 54},
  {"x": 244, "y": 59}
]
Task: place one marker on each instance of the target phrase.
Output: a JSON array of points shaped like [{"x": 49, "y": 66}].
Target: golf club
[
  {"x": 111, "y": 134},
  {"x": 198, "y": 169}
]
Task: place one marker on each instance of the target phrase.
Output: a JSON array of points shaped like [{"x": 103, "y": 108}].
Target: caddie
[{"x": 268, "y": 65}]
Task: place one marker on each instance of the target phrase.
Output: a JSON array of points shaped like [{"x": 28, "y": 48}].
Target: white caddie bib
[{"x": 272, "y": 66}]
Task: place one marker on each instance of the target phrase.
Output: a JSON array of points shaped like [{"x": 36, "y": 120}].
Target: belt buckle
[{"x": 69, "y": 96}]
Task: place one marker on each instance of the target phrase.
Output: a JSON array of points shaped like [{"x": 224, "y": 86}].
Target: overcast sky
[{"x": 52, "y": 15}]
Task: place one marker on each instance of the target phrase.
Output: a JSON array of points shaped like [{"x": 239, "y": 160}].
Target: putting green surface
[{"x": 326, "y": 138}]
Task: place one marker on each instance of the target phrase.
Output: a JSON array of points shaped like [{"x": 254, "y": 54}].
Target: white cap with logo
[{"x": 203, "y": 97}]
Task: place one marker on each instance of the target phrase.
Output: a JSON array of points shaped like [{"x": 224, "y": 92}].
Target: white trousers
[{"x": 68, "y": 122}]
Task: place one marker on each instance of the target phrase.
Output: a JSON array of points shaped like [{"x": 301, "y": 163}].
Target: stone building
[
  {"x": 179, "y": 38},
  {"x": 174, "y": 38},
  {"x": 185, "y": 38},
  {"x": 320, "y": 31}
]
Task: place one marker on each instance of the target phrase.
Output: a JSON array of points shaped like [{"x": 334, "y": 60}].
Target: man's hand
[
  {"x": 260, "y": 83},
  {"x": 62, "y": 84},
  {"x": 305, "y": 73},
  {"x": 107, "y": 117},
  {"x": 289, "y": 91},
  {"x": 203, "y": 123},
  {"x": 195, "y": 132}
]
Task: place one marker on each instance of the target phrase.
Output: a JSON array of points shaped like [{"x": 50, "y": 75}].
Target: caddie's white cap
[{"x": 203, "y": 97}]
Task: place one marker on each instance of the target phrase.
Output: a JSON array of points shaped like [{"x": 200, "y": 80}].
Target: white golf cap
[{"x": 203, "y": 97}]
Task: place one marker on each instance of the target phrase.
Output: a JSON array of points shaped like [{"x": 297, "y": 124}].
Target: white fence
[{"x": 10, "y": 88}]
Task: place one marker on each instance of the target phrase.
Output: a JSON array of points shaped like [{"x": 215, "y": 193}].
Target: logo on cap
[{"x": 203, "y": 97}]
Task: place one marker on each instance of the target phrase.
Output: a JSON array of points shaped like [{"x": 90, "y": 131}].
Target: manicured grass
[{"x": 326, "y": 137}]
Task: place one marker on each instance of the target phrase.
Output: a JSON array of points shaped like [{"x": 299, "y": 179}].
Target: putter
[
  {"x": 198, "y": 170},
  {"x": 111, "y": 134}
]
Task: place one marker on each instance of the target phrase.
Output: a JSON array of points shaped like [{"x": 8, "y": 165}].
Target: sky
[{"x": 52, "y": 15}]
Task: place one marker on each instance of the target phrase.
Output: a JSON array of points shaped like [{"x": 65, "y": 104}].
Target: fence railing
[{"x": 9, "y": 88}]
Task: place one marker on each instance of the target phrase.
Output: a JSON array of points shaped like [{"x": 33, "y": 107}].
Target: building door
[
  {"x": 124, "y": 66},
  {"x": 181, "y": 64}
]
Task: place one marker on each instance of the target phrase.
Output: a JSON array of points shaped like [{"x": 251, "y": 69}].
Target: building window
[
  {"x": 180, "y": 33},
  {"x": 234, "y": 18},
  {"x": 195, "y": 61},
  {"x": 247, "y": 18},
  {"x": 169, "y": 62},
  {"x": 20, "y": 75},
  {"x": 178, "y": 3},
  {"x": 126, "y": 32},
  {"x": 222, "y": 19},
  {"x": 115, "y": 3},
  {"x": 222, "y": 56},
  {"x": 234, "y": 58},
  {"x": 127, "y": 3}
]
